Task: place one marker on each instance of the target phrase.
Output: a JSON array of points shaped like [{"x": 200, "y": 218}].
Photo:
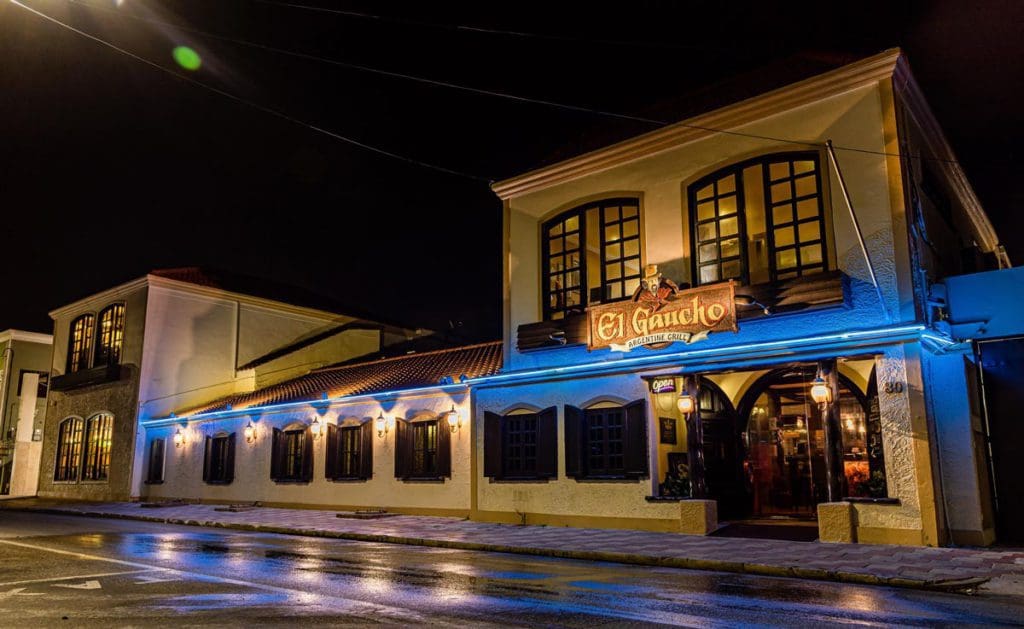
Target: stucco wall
[
  {"x": 567, "y": 496},
  {"x": 853, "y": 119},
  {"x": 184, "y": 466},
  {"x": 334, "y": 349}
]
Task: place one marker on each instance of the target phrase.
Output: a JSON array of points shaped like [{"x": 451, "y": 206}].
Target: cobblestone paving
[{"x": 862, "y": 563}]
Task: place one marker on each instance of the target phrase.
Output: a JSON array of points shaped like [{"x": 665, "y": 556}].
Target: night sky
[{"x": 111, "y": 168}]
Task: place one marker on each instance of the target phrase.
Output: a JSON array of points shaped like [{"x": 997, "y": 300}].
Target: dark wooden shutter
[
  {"x": 574, "y": 432},
  {"x": 276, "y": 452},
  {"x": 331, "y": 460},
  {"x": 492, "y": 445},
  {"x": 156, "y": 461},
  {"x": 547, "y": 443},
  {"x": 403, "y": 448},
  {"x": 444, "y": 448},
  {"x": 207, "y": 459},
  {"x": 229, "y": 461},
  {"x": 366, "y": 450},
  {"x": 635, "y": 459},
  {"x": 307, "y": 455}
]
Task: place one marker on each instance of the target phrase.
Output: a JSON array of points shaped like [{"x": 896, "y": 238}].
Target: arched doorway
[
  {"x": 723, "y": 451},
  {"x": 784, "y": 441}
]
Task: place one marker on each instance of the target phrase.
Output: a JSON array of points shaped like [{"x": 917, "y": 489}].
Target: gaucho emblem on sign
[{"x": 660, "y": 313}]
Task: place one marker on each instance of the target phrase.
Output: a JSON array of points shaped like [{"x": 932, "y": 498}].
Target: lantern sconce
[
  {"x": 250, "y": 432},
  {"x": 316, "y": 428},
  {"x": 454, "y": 420},
  {"x": 685, "y": 404},
  {"x": 382, "y": 425},
  {"x": 820, "y": 391},
  {"x": 179, "y": 438}
]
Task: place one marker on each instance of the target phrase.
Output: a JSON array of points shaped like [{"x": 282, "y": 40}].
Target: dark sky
[{"x": 109, "y": 167}]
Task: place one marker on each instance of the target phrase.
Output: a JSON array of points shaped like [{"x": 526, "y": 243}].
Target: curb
[{"x": 717, "y": 565}]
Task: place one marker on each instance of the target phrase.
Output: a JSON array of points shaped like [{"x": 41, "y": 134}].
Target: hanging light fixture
[
  {"x": 685, "y": 404},
  {"x": 382, "y": 425},
  {"x": 820, "y": 391},
  {"x": 179, "y": 438},
  {"x": 250, "y": 432},
  {"x": 454, "y": 421}
]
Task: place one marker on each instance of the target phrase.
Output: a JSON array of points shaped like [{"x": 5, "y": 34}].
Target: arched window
[
  {"x": 758, "y": 221},
  {"x": 80, "y": 343},
  {"x": 110, "y": 335},
  {"x": 591, "y": 254},
  {"x": 98, "y": 433},
  {"x": 69, "y": 450}
]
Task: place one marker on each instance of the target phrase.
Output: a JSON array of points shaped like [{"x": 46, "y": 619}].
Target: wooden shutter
[
  {"x": 574, "y": 432},
  {"x": 366, "y": 450},
  {"x": 331, "y": 460},
  {"x": 403, "y": 448},
  {"x": 207, "y": 459},
  {"x": 444, "y": 449},
  {"x": 156, "y": 461},
  {"x": 492, "y": 445},
  {"x": 307, "y": 455},
  {"x": 276, "y": 452},
  {"x": 229, "y": 461},
  {"x": 635, "y": 459},
  {"x": 547, "y": 443}
]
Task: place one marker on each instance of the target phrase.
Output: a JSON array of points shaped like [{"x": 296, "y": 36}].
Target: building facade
[
  {"x": 172, "y": 339},
  {"x": 24, "y": 377},
  {"x": 725, "y": 321}
]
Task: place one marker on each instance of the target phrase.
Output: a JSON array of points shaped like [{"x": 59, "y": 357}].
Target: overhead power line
[{"x": 263, "y": 108}]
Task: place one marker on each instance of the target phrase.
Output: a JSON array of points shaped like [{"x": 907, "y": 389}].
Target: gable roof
[{"x": 390, "y": 374}]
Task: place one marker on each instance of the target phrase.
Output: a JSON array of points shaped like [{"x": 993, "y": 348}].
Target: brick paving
[{"x": 907, "y": 566}]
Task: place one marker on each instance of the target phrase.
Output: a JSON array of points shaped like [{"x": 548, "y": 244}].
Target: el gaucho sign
[{"x": 660, "y": 313}]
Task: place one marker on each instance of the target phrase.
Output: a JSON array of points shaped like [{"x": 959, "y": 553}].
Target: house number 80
[{"x": 893, "y": 387}]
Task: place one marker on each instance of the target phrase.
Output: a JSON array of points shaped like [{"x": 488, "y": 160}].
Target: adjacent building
[
  {"x": 172, "y": 339},
  {"x": 24, "y": 377},
  {"x": 728, "y": 319}
]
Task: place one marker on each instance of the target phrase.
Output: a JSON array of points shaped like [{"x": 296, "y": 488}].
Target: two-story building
[
  {"x": 176, "y": 338},
  {"x": 24, "y": 377},
  {"x": 728, "y": 320}
]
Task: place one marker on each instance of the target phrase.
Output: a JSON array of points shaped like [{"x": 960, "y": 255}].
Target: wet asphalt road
[{"x": 72, "y": 571}]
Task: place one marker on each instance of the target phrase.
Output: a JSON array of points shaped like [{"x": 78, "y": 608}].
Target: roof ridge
[{"x": 406, "y": 356}]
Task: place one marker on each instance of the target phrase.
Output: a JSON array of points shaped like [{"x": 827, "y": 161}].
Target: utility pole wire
[{"x": 263, "y": 108}]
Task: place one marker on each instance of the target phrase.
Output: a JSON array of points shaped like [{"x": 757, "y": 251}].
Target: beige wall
[
  {"x": 334, "y": 349},
  {"x": 184, "y": 466}
]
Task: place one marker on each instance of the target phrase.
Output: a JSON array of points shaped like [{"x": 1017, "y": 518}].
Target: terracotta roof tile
[{"x": 390, "y": 374}]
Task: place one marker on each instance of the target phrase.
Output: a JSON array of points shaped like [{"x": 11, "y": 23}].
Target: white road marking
[
  {"x": 88, "y": 585},
  {"x": 146, "y": 578},
  {"x": 71, "y": 578},
  {"x": 335, "y": 603},
  {"x": 18, "y": 592}
]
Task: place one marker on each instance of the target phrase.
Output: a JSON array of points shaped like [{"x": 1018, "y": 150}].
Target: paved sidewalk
[{"x": 959, "y": 569}]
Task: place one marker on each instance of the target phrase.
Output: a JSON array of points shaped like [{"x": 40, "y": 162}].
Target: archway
[{"x": 784, "y": 441}]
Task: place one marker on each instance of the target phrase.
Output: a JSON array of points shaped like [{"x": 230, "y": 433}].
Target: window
[
  {"x": 521, "y": 445},
  {"x": 591, "y": 254},
  {"x": 155, "y": 469},
  {"x": 219, "y": 459},
  {"x": 292, "y": 454},
  {"x": 69, "y": 450},
  {"x": 349, "y": 452},
  {"x": 110, "y": 335},
  {"x": 777, "y": 200},
  {"x": 606, "y": 442},
  {"x": 80, "y": 343},
  {"x": 98, "y": 432},
  {"x": 424, "y": 449}
]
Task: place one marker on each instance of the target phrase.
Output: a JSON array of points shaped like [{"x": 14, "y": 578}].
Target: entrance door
[
  {"x": 1002, "y": 365},
  {"x": 723, "y": 452}
]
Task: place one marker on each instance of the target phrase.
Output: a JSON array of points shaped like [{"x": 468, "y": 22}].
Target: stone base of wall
[
  {"x": 836, "y": 523},
  {"x": 698, "y": 517}
]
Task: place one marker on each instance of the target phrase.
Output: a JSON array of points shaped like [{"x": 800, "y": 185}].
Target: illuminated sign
[
  {"x": 663, "y": 385},
  {"x": 653, "y": 319}
]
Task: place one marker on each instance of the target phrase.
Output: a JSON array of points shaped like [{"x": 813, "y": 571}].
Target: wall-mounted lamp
[
  {"x": 454, "y": 421},
  {"x": 685, "y": 404},
  {"x": 250, "y": 432},
  {"x": 820, "y": 391},
  {"x": 179, "y": 438},
  {"x": 316, "y": 428},
  {"x": 382, "y": 425}
]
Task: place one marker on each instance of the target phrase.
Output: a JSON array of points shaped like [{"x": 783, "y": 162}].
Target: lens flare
[{"x": 187, "y": 58}]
